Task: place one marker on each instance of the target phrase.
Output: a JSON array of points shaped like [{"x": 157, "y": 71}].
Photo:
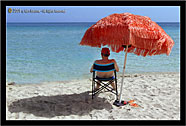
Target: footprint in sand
[{"x": 157, "y": 106}]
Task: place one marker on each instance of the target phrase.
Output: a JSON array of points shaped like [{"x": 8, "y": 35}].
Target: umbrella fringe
[{"x": 160, "y": 47}]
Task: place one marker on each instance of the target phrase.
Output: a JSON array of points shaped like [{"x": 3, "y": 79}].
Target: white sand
[{"x": 158, "y": 95}]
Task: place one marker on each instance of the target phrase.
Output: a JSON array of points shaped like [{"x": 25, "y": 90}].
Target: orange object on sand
[
  {"x": 134, "y": 104},
  {"x": 130, "y": 101},
  {"x": 144, "y": 35}
]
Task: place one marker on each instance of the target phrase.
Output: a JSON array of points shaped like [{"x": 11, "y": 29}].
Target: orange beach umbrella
[{"x": 119, "y": 31}]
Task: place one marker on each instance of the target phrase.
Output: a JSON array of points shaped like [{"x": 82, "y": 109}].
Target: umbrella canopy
[{"x": 144, "y": 35}]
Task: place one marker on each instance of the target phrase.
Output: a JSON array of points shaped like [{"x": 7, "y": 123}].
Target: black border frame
[{"x": 182, "y": 5}]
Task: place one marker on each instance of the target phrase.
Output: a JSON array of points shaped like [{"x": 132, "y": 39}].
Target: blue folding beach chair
[{"x": 105, "y": 83}]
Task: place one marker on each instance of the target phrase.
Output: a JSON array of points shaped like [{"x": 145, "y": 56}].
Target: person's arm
[
  {"x": 91, "y": 70},
  {"x": 116, "y": 66}
]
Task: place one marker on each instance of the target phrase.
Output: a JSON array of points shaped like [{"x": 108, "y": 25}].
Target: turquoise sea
[{"x": 43, "y": 52}]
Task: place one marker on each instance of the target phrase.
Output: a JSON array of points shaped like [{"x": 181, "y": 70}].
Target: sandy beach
[{"x": 157, "y": 94}]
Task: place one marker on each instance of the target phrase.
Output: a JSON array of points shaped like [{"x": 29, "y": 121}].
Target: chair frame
[{"x": 104, "y": 85}]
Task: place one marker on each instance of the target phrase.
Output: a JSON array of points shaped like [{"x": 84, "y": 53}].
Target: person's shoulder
[
  {"x": 113, "y": 60},
  {"x": 97, "y": 61}
]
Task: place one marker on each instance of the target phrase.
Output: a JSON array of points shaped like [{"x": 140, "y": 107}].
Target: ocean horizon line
[{"x": 62, "y": 22}]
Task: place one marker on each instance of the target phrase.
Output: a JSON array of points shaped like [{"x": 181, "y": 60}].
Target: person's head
[{"x": 105, "y": 52}]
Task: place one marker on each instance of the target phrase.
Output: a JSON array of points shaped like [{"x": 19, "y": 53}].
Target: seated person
[{"x": 105, "y": 53}]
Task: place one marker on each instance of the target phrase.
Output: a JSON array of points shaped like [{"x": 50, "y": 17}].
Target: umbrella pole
[{"x": 123, "y": 75}]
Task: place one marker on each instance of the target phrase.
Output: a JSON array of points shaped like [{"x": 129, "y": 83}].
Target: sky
[{"x": 88, "y": 13}]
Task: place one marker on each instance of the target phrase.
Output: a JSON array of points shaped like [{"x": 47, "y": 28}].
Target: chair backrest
[{"x": 103, "y": 67}]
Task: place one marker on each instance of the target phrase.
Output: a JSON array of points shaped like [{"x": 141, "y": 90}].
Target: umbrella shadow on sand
[{"x": 60, "y": 105}]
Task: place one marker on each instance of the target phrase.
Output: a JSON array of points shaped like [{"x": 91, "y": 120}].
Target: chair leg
[
  {"x": 93, "y": 84},
  {"x": 92, "y": 94},
  {"x": 116, "y": 89},
  {"x": 93, "y": 88}
]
